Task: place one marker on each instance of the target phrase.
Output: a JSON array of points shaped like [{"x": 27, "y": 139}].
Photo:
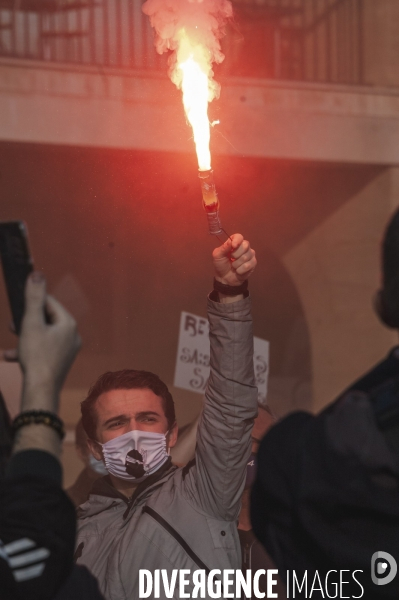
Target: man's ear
[
  {"x": 172, "y": 435},
  {"x": 95, "y": 449},
  {"x": 378, "y": 304},
  {"x": 386, "y": 314}
]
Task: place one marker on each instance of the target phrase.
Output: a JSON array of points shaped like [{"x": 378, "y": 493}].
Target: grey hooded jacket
[{"x": 183, "y": 518}]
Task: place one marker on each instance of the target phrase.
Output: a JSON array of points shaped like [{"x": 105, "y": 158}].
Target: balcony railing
[{"x": 307, "y": 40}]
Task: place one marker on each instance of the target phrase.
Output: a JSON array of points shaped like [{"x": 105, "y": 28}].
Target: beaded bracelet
[{"x": 39, "y": 417}]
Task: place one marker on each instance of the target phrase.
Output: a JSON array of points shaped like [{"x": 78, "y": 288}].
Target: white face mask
[
  {"x": 135, "y": 455},
  {"x": 97, "y": 466}
]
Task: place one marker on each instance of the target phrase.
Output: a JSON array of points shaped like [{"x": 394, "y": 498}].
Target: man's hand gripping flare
[{"x": 234, "y": 262}]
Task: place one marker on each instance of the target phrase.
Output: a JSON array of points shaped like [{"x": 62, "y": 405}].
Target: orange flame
[{"x": 193, "y": 74}]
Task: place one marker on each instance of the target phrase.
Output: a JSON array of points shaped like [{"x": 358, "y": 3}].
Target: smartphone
[{"x": 17, "y": 264}]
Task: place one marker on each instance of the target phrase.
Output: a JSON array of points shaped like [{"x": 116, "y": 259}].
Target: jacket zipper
[{"x": 128, "y": 507}]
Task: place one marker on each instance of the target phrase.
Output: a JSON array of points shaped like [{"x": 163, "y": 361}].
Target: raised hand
[
  {"x": 46, "y": 351},
  {"x": 234, "y": 261}
]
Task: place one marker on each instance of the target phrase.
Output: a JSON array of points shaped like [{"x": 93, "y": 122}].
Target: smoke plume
[{"x": 190, "y": 28}]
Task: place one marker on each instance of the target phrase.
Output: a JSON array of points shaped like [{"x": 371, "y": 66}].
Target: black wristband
[
  {"x": 39, "y": 417},
  {"x": 230, "y": 290}
]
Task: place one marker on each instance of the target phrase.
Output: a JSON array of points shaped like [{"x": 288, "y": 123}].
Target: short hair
[
  {"x": 128, "y": 379},
  {"x": 390, "y": 274}
]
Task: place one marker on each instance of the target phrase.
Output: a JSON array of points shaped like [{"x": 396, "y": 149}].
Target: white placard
[{"x": 192, "y": 361}]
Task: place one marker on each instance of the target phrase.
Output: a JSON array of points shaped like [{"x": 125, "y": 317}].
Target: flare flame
[
  {"x": 196, "y": 94},
  {"x": 192, "y": 29}
]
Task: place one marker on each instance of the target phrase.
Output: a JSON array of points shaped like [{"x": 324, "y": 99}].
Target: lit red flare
[
  {"x": 194, "y": 76},
  {"x": 192, "y": 31}
]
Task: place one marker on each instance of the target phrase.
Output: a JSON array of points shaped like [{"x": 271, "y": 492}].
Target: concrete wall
[
  {"x": 336, "y": 270},
  {"x": 80, "y": 106}
]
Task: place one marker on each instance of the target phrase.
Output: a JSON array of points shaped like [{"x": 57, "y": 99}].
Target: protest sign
[{"x": 193, "y": 355}]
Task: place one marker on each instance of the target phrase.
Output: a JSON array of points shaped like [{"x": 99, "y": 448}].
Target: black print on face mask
[{"x": 134, "y": 464}]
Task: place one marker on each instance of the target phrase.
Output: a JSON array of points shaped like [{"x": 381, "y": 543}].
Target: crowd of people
[{"x": 323, "y": 489}]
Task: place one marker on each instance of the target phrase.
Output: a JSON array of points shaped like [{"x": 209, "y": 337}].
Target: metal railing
[{"x": 308, "y": 40}]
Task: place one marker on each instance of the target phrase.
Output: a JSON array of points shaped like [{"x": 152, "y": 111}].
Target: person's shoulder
[{"x": 290, "y": 428}]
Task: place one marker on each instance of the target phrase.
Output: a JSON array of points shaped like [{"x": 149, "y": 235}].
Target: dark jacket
[
  {"x": 327, "y": 491},
  {"x": 37, "y": 534},
  {"x": 381, "y": 373}
]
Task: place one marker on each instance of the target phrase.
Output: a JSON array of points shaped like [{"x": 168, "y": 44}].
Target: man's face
[{"x": 121, "y": 411}]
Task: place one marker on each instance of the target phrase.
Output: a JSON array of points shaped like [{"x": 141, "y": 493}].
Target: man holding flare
[{"x": 148, "y": 514}]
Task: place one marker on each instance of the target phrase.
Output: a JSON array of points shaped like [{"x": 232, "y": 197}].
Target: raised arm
[{"x": 224, "y": 432}]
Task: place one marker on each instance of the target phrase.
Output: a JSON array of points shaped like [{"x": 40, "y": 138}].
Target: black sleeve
[
  {"x": 80, "y": 585},
  {"x": 37, "y": 528},
  {"x": 273, "y": 496}
]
